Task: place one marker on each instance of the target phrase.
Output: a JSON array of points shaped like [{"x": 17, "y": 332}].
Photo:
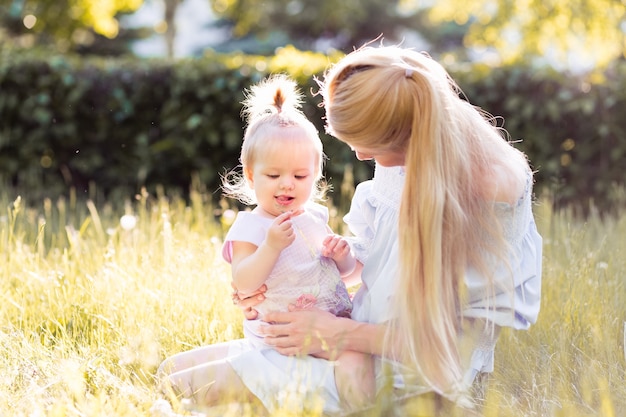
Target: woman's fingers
[
  {"x": 290, "y": 345},
  {"x": 294, "y": 332},
  {"x": 247, "y": 302},
  {"x": 274, "y": 330},
  {"x": 252, "y": 295},
  {"x": 250, "y": 314}
]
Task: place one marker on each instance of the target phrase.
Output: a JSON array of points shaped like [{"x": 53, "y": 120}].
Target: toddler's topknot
[{"x": 275, "y": 95}]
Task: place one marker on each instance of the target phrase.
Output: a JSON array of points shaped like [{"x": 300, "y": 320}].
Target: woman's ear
[{"x": 247, "y": 172}]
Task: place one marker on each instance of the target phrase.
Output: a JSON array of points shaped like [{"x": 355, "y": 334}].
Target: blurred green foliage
[
  {"x": 582, "y": 32},
  {"x": 65, "y": 21},
  {"x": 124, "y": 124},
  {"x": 325, "y": 24},
  {"x": 578, "y": 32}
]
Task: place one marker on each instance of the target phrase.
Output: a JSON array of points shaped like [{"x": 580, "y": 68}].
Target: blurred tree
[
  {"x": 67, "y": 24},
  {"x": 576, "y": 32},
  {"x": 314, "y": 24},
  {"x": 170, "y": 34},
  {"x": 570, "y": 31}
]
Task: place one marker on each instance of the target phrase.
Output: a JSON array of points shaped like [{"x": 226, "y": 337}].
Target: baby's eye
[
  {"x": 273, "y": 176},
  {"x": 300, "y": 177}
]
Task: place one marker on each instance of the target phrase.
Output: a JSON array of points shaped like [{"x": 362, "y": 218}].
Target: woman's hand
[
  {"x": 313, "y": 332},
  {"x": 246, "y": 302}
]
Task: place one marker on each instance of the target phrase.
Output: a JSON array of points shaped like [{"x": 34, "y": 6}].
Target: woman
[{"x": 467, "y": 258}]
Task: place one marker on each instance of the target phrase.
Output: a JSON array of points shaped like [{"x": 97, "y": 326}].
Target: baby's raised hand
[{"x": 335, "y": 247}]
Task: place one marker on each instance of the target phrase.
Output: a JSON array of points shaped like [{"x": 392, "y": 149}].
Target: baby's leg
[
  {"x": 191, "y": 358},
  {"x": 203, "y": 375},
  {"x": 355, "y": 379},
  {"x": 210, "y": 384}
]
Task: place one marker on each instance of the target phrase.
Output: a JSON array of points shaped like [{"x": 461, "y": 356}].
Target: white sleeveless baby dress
[{"x": 301, "y": 277}]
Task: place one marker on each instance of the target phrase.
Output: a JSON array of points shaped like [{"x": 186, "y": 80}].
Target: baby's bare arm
[{"x": 251, "y": 264}]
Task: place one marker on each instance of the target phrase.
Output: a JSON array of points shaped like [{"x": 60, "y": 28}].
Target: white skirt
[{"x": 284, "y": 382}]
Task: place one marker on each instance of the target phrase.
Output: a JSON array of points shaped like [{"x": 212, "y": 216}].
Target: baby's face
[{"x": 284, "y": 179}]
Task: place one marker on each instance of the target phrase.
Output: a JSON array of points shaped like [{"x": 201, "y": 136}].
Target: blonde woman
[{"x": 458, "y": 260}]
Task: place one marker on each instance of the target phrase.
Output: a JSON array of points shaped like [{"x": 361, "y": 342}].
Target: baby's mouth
[{"x": 283, "y": 199}]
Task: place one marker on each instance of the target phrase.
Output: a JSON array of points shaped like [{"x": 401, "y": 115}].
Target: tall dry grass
[{"x": 93, "y": 298}]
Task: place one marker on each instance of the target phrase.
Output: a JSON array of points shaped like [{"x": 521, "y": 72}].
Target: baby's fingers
[{"x": 328, "y": 245}]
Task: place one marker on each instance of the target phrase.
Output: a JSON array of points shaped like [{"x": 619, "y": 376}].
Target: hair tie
[{"x": 408, "y": 73}]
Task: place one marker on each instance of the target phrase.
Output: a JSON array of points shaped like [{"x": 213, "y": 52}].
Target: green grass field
[{"x": 92, "y": 302}]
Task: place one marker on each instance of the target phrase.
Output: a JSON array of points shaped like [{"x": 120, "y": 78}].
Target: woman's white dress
[{"x": 373, "y": 218}]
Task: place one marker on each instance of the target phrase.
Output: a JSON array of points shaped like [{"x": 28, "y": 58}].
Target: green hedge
[{"x": 123, "y": 124}]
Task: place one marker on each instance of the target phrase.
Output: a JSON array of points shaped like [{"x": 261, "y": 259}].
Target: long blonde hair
[
  {"x": 272, "y": 108},
  {"x": 390, "y": 98}
]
